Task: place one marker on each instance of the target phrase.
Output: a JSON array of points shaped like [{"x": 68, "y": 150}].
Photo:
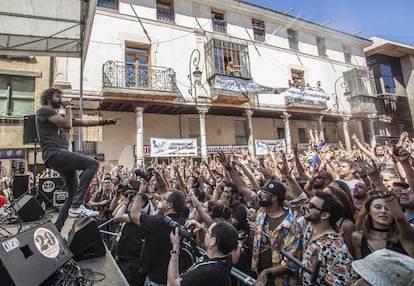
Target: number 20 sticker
[{"x": 46, "y": 242}]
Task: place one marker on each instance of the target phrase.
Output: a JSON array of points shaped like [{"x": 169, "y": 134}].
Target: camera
[
  {"x": 184, "y": 232},
  {"x": 397, "y": 150},
  {"x": 146, "y": 175},
  {"x": 130, "y": 194},
  {"x": 121, "y": 188}
]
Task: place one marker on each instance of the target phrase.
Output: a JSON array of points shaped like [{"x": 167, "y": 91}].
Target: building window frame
[
  {"x": 387, "y": 78},
  {"x": 240, "y": 132},
  {"x": 18, "y": 97},
  {"x": 218, "y": 21},
  {"x": 137, "y": 65},
  {"x": 165, "y": 10},
  {"x": 347, "y": 54},
  {"x": 259, "y": 31},
  {"x": 108, "y": 4},
  {"x": 303, "y": 135},
  {"x": 293, "y": 39},
  {"x": 321, "y": 44},
  {"x": 298, "y": 78},
  {"x": 218, "y": 55}
]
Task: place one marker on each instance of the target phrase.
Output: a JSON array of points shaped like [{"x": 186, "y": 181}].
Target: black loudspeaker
[
  {"x": 85, "y": 240},
  {"x": 30, "y": 257},
  {"x": 29, "y": 130},
  {"x": 47, "y": 188},
  {"x": 28, "y": 209},
  {"x": 20, "y": 185}
]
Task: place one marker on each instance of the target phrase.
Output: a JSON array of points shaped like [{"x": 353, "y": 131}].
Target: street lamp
[
  {"x": 343, "y": 85},
  {"x": 194, "y": 73}
]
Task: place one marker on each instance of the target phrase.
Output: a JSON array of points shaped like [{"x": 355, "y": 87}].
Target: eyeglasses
[{"x": 312, "y": 206}]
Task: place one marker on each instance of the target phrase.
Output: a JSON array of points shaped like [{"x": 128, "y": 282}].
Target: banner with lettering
[
  {"x": 162, "y": 147},
  {"x": 237, "y": 84},
  {"x": 262, "y": 146},
  {"x": 307, "y": 94}
]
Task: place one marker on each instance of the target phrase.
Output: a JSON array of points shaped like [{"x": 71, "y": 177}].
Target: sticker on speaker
[
  {"x": 46, "y": 242},
  {"x": 48, "y": 186}
]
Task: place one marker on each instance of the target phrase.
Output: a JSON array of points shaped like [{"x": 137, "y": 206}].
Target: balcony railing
[
  {"x": 165, "y": 14},
  {"x": 305, "y": 103},
  {"x": 219, "y": 26},
  {"x": 138, "y": 76},
  {"x": 362, "y": 104},
  {"x": 392, "y": 105}
]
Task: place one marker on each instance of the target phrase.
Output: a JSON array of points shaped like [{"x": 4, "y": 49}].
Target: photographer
[
  {"x": 132, "y": 236},
  {"x": 156, "y": 251},
  {"x": 220, "y": 240}
]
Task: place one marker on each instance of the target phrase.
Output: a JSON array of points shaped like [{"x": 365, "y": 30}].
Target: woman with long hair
[{"x": 381, "y": 224}]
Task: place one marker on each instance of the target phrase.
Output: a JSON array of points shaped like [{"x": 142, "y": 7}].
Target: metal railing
[
  {"x": 219, "y": 26},
  {"x": 126, "y": 75},
  {"x": 392, "y": 105}
]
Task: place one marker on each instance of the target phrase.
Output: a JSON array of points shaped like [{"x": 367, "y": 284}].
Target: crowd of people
[{"x": 319, "y": 217}]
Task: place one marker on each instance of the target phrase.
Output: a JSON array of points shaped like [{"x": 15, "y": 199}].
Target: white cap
[{"x": 385, "y": 267}]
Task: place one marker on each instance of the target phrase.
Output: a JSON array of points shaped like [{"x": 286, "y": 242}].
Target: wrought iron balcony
[
  {"x": 165, "y": 14},
  {"x": 294, "y": 102},
  {"x": 362, "y": 104},
  {"x": 138, "y": 76},
  {"x": 392, "y": 105}
]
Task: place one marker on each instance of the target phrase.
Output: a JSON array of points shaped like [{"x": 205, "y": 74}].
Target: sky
[{"x": 391, "y": 20}]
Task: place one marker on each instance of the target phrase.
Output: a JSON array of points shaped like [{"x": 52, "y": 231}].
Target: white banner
[
  {"x": 262, "y": 146},
  {"x": 236, "y": 84},
  {"x": 307, "y": 94},
  {"x": 162, "y": 147}
]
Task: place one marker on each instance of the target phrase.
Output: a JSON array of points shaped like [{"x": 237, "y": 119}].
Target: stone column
[
  {"x": 288, "y": 137},
  {"x": 371, "y": 132},
  {"x": 203, "y": 137},
  {"x": 320, "y": 128},
  {"x": 140, "y": 136},
  {"x": 345, "y": 128},
  {"x": 250, "y": 139}
]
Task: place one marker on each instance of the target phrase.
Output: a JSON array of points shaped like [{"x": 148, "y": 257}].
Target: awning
[{"x": 56, "y": 28}]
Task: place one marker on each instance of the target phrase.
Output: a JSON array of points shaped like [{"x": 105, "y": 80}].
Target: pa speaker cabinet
[
  {"x": 28, "y": 209},
  {"x": 47, "y": 188},
  {"x": 30, "y": 257},
  {"x": 20, "y": 185},
  {"x": 29, "y": 130},
  {"x": 85, "y": 240}
]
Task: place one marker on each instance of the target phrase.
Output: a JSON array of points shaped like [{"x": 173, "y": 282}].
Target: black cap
[{"x": 277, "y": 189}]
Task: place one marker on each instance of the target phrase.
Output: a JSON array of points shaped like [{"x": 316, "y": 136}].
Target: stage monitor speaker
[
  {"x": 30, "y": 257},
  {"x": 47, "y": 188},
  {"x": 28, "y": 209},
  {"x": 29, "y": 130},
  {"x": 85, "y": 240},
  {"x": 20, "y": 185}
]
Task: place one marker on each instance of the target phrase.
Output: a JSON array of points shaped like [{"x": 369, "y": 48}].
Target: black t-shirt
[
  {"x": 156, "y": 251},
  {"x": 130, "y": 242},
  {"x": 208, "y": 272},
  {"x": 51, "y": 137},
  {"x": 239, "y": 212}
]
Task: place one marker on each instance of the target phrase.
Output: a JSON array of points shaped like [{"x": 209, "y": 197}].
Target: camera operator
[
  {"x": 214, "y": 269},
  {"x": 156, "y": 251},
  {"x": 132, "y": 236}
]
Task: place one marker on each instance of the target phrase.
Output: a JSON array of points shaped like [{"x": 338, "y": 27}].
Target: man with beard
[
  {"x": 319, "y": 182},
  {"x": 276, "y": 229},
  {"x": 53, "y": 130},
  {"x": 156, "y": 250},
  {"x": 360, "y": 195},
  {"x": 407, "y": 203},
  {"x": 323, "y": 243}
]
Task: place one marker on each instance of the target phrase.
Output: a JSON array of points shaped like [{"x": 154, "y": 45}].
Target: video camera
[
  {"x": 146, "y": 175},
  {"x": 184, "y": 232}
]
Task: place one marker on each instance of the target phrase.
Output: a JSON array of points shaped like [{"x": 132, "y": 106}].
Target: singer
[{"x": 53, "y": 130}]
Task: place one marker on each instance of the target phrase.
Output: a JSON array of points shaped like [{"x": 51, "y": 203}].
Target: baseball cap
[
  {"x": 276, "y": 188},
  {"x": 385, "y": 267}
]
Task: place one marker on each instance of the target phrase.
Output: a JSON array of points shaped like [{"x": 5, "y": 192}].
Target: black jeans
[{"x": 68, "y": 163}]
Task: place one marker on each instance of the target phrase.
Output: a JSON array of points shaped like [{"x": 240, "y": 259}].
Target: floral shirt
[
  {"x": 286, "y": 236},
  {"x": 336, "y": 259}
]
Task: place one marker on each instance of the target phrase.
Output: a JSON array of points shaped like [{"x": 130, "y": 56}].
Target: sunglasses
[{"x": 312, "y": 206}]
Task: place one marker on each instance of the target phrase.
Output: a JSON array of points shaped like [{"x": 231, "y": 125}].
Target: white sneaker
[{"x": 82, "y": 211}]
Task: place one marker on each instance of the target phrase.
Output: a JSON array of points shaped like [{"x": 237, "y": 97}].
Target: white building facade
[{"x": 288, "y": 76}]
